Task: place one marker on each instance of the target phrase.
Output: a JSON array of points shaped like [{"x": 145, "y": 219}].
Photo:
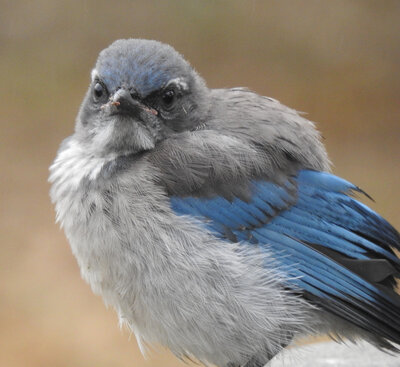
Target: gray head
[{"x": 141, "y": 92}]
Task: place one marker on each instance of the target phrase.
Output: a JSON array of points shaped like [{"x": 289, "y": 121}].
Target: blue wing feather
[{"x": 313, "y": 225}]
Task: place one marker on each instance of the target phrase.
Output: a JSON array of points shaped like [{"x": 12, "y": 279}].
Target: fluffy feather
[{"x": 202, "y": 223}]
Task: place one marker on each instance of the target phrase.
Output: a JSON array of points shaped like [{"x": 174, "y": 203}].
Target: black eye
[
  {"x": 168, "y": 98},
  {"x": 98, "y": 91}
]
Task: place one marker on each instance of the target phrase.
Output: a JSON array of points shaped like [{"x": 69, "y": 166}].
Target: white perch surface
[{"x": 331, "y": 354}]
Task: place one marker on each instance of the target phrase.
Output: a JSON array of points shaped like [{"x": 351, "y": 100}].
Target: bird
[{"x": 209, "y": 219}]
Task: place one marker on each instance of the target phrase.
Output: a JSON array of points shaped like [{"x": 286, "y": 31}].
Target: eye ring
[
  {"x": 168, "y": 99},
  {"x": 99, "y": 91}
]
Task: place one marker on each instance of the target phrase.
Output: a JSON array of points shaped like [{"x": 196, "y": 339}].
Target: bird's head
[{"x": 141, "y": 92}]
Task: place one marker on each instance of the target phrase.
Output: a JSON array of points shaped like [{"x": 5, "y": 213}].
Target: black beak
[{"x": 124, "y": 103}]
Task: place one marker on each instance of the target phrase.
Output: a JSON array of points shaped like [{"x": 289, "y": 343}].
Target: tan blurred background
[{"x": 339, "y": 61}]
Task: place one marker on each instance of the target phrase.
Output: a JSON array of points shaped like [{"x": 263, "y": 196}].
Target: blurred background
[{"x": 339, "y": 61}]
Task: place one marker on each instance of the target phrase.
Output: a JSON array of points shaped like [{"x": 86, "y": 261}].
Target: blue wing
[{"x": 335, "y": 249}]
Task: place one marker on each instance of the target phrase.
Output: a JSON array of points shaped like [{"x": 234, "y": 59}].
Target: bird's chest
[
  {"x": 101, "y": 219},
  {"x": 93, "y": 239}
]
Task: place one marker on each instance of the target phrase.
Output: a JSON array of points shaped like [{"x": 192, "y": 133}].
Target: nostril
[
  {"x": 121, "y": 96},
  {"x": 134, "y": 94}
]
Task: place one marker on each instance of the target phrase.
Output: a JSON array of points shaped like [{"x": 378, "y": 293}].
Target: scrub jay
[{"x": 209, "y": 220}]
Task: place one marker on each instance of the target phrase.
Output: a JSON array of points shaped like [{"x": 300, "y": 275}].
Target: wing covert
[{"x": 334, "y": 248}]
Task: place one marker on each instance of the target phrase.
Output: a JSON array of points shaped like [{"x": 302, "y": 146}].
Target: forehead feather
[{"x": 142, "y": 64}]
